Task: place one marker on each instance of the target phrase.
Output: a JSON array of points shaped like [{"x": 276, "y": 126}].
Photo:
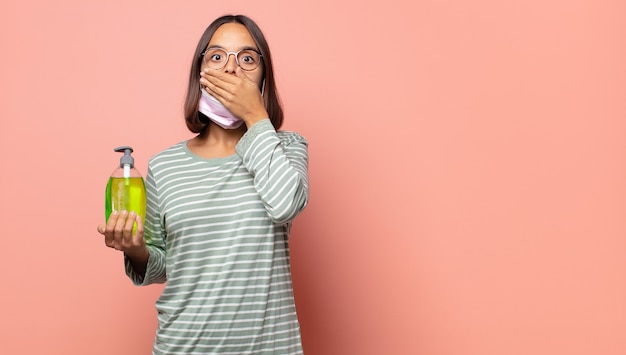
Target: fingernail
[{"x": 114, "y": 213}]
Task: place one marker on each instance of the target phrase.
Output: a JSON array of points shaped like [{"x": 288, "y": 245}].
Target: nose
[{"x": 231, "y": 63}]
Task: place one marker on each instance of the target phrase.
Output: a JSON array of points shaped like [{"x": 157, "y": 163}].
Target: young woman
[{"x": 220, "y": 207}]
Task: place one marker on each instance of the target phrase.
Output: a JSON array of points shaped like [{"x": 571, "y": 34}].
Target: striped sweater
[{"x": 217, "y": 232}]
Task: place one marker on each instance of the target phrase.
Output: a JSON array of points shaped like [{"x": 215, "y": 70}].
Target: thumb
[{"x": 101, "y": 229}]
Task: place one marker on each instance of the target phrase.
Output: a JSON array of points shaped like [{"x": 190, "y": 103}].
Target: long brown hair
[{"x": 272, "y": 103}]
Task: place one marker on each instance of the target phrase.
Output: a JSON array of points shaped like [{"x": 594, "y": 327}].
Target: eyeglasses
[{"x": 216, "y": 58}]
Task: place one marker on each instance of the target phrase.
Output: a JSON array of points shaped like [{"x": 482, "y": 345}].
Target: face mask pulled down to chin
[{"x": 217, "y": 112}]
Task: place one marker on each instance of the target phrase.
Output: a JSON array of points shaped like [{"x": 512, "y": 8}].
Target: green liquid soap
[{"x": 126, "y": 194}]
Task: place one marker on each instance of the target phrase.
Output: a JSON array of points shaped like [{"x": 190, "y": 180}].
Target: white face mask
[{"x": 217, "y": 112}]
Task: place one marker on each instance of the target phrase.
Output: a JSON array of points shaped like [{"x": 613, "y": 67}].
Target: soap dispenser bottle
[{"x": 126, "y": 189}]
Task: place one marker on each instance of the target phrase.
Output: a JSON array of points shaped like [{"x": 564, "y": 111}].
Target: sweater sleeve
[
  {"x": 154, "y": 233},
  {"x": 278, "y": 162}
]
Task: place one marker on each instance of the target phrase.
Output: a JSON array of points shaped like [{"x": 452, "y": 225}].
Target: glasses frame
[{"x": 236, "y": 54}]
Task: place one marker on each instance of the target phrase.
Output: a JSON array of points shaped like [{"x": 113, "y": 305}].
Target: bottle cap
[{"x": 126, "y": 158}]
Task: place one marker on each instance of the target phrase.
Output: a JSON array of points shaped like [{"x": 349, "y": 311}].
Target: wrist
[
  {"x": 138, "y": 254},
  {"x": 254, "y": 118}
]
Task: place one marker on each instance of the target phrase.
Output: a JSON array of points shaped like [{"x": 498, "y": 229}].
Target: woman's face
[{"x": 233, "y": 37}]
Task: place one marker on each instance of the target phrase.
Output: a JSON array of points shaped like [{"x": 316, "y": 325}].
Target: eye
[
  {"x": 249, "y": 58},
  {"x": 214, "y": 55}
]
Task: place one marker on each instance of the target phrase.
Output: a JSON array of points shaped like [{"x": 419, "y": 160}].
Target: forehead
[{"x": 232, "y": 36}]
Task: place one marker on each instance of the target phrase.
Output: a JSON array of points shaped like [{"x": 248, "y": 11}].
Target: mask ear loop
[
  {"x": 263, "y": 87},
  {"x": 201, "y": 116}
]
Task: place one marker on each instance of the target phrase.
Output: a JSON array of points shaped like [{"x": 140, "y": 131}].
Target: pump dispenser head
[{"x": 126, "y": 158}]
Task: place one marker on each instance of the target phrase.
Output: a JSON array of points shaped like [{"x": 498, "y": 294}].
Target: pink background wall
[{"x": 468, "y": 169}]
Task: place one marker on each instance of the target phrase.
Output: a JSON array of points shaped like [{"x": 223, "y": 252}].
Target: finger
[
  {"x": 209, "y": 80},
  {"x": 128, "y": 228},
  {"x": 118, "y": 233},
  {"x": 135, "y": 240},
  {"x": 212, "y": 88},
  {"x": 102, "y": 228},
  {"x": 241, "y": 74},
  {"x": 139, "y": 231},
  {"x": 109, "y": 229},
  {"x": 223, "y": 95},
  {"x": 216, "y": 80},
  {"x": 209, "y": 87},
  {"x": 217, "y": 76},
  {"x": 246, "y": 82}
]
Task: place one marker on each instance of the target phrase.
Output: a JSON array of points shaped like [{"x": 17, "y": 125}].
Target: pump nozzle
[
  {"x": 126, "y": 158},
  {"x": 127, "y": 161}
]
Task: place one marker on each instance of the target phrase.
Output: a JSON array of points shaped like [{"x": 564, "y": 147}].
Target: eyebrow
[{"x": 241, "y": 49}]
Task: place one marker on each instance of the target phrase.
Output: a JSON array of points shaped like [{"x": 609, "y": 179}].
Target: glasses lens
[
  {"x": 248, "y": 59},
  {"x": 215, "y": 58}
]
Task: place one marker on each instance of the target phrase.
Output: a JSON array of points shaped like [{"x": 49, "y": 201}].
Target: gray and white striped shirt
[{"x": 218, "y": 233}]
